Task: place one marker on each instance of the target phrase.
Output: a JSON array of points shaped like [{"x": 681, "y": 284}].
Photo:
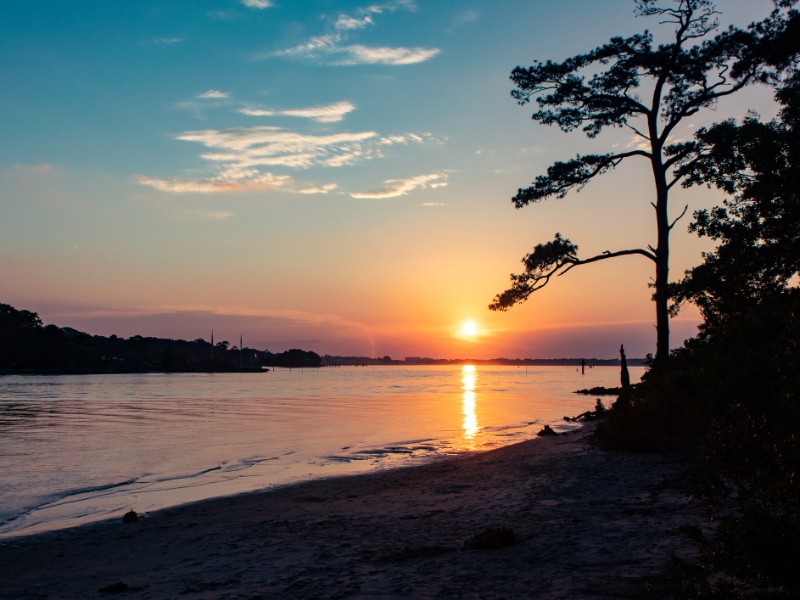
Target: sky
[{"x": 331, "y": 176}]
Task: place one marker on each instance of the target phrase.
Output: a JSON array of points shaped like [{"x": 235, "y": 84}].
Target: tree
[
  {"x": 758, "y": 227},
  {"x": 650, "y": 90}
]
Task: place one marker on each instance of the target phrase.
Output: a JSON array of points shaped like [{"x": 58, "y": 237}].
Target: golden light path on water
[{"x": 469, "y": 377}]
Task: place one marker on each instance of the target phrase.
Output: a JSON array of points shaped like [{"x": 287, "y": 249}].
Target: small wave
[
  {"x": 407, "y": 449},
  {"x": 246, "y": 463},
  {"x": 501, "y": 428},
  {"x": 419, "y": 441},
  {"x": 68, "y": 497},
  {"x": 346, "y": 459},
  {"x": 95, "y": 488}
]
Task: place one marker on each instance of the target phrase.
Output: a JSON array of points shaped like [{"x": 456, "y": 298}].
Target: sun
[{"x": 469, "y": 328}]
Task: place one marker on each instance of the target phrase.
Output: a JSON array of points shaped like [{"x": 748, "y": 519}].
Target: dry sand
[{"x": 588, "y": 524}]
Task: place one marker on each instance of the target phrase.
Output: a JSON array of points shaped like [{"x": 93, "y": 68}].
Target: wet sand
[{"x": 586, "y": 524}]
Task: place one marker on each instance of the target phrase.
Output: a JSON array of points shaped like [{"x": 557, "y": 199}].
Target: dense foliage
[
  {"x": 28, "y": 346},
  {"x": 758, "y": 230},
  {"x": 732, "y": 395}
]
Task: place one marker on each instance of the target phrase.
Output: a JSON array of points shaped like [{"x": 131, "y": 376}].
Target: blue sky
[{"x": 333, "y": 175}]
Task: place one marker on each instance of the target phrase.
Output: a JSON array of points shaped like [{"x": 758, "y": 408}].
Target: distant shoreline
[{"x": 526, "y": 362}]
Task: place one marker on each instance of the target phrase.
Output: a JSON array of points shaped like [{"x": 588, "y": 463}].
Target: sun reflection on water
[{"x": 469, "y": 377}]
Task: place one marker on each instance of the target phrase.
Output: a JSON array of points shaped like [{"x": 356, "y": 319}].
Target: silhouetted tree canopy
[
  {"x": 758, "y": 227},
  {"x": 26, "y": 346},
  {"x": 649, "y": 89}
]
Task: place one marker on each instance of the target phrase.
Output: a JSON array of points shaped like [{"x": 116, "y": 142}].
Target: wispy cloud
[
  {"x": 258, "y": 4},
  {"x": 33, "y": 169},
  {"x": 266, "y": 142},
  {"x": 258, "y": 112},
  {"x": 209, "y": 215},
  {"x": 166, "y": 41},
  {"x": 242, "y": 158},
  {"x": 371, "y": 55},
  {"x": 329, "y": 113},
  {"x": 215, "y": 185},
  {"x": 363, "y": 17},
  {"x": 322, "y": 189},
  {"x": 200, "y": 104},
  {"x": 29, "y": 175},
  {"x": 393, "y": 188},
  {"x": 465, "y": 17},
  {"x": 246, "y": 158},
  {"x": 214, "y": 95},
  {"x": 345, "y": 22},
  {"x": 330, "y": 48},
  {"x": 336, "y": 48}
]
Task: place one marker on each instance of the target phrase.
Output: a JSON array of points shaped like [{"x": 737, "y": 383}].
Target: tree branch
[
  {"x": 637, "y": 132},
  {"x": 554, "y": 258},
  {"x": 563, "y": 176},
  {"x": 680, "y": 216},
  {"x": 607, "y": 254}
]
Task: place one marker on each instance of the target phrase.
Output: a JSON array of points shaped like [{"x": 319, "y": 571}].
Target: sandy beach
[{"x": 569, "y": 520}]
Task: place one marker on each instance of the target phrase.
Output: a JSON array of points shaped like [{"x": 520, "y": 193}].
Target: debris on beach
[
  {"x": 590, "y": 415},
  {"x": 130, "y": 517}
]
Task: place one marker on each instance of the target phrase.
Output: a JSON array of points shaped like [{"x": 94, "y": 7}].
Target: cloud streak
[
  {"x": 346, "y": 22},
  {"x": 330, "y": 48},
  {"x": 364, "y": 18},
  {"x": 335, "y": 48},
  {"x": 329, "y": 113},
  {"x": 166, "y": 41},
  {"x": 214, "y": 95},
  {"x": 394, "y": 188},
  {"x": 372, "y": 55},
  {"x": 257, "y": 4},
  {"x": 242, "y": 158},
  {"x": 222, "y": 183}
]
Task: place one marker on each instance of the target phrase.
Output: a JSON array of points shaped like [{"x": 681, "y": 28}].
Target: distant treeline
[{"x": 28, "y": 346}]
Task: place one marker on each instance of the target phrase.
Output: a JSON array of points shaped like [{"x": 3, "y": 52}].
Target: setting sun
[{"x": 469, "y": 328}]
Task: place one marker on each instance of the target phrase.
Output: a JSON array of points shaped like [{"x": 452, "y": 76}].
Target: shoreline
[
  {"x": 586, "y": 523},
  {"x": 267, "y": 368}
]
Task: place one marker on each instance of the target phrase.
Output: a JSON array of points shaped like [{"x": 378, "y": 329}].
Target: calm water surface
[{"x": 77, "y": 449}]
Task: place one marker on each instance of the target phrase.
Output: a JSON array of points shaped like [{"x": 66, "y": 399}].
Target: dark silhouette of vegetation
[
  {"x": 295, "y": 358},
  {"x": 649, "y": 89},
  {"x": 28, "y": 346},
  {"x": 758, "y": 230},
  {"x": 732, "y": 395}
]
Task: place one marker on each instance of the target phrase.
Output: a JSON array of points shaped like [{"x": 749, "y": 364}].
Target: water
[{"x": 77, "y": 449}]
